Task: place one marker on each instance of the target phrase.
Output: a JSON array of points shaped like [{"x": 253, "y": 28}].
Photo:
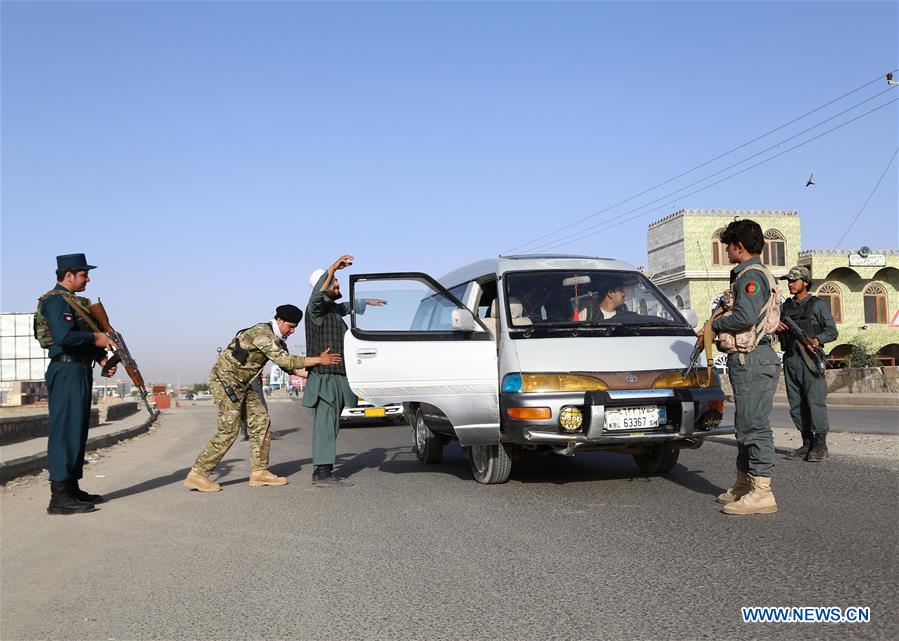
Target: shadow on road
[
  {"x": 281, "y": 433},
  {"x": 692, "y": 480},
  {"x": 161, "y": 481},
  {"x": 405, "y": 461}
]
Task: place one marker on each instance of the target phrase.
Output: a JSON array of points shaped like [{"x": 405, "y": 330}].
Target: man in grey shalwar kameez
[{"x": 327, "y": 391}]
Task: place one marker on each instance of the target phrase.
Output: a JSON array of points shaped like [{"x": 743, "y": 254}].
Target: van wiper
[{"x": 636, "y": 330}]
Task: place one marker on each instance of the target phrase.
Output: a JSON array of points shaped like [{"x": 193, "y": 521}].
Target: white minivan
[{"x": 534, "y": 352}]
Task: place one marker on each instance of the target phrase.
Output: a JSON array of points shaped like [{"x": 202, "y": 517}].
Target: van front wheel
[
  {"x": 657, "y": 459},
  {"x": 490, "y": 464}
]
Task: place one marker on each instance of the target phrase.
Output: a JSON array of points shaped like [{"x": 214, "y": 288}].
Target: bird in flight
[{"x": 810, "y": 182}]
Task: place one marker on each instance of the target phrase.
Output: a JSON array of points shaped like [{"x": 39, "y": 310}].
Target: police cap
[
  {"x": 73, "y": 262},
  {"x": 798, "y": 273}
]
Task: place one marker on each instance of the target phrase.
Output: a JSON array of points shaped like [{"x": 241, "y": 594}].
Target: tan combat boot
[
  {"x": 735, "y": 493},
  {"x": 196, "y": 481},
  {"x": 259, "y": 478},
  {"x": 759, "y": 500}
]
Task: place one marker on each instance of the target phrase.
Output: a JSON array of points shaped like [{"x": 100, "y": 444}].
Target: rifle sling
[{"x": 83, "y": 313}]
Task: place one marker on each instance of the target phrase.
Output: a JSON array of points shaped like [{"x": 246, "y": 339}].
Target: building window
[
  {"x": 719, "y": 249},
  {"x": 679, "y": 301},
  {"x": 830, "y": 294},
  {"x": 875, "y": 303},
  {"x": 775, "y": 252}
]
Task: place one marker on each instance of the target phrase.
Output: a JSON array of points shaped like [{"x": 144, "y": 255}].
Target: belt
[{"x": 68, "y": 358}]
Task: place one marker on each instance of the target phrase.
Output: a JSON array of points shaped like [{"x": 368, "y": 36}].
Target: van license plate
[
  {"x": 377, "y": 411},
  {"x": 632, "y": 418}
]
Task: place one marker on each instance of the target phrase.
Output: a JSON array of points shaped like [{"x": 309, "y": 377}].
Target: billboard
[{"x": 21, "y": 356}]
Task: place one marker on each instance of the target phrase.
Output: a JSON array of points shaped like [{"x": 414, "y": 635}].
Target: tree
[
  {"x": 200, "y": 387},
  {"x": 861, "y": 354}
]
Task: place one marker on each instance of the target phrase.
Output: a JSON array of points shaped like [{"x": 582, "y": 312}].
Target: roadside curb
[{"x": 36, "y": 462}]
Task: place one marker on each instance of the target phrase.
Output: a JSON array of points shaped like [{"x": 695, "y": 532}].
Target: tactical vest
[
  {"x": 42, "y": 325},
  {"x": 328, "y": 334},
  {"x": 242, "y": 361},
  {"x": 750, "y": 338},
  {"x": 801, "y": 313}
]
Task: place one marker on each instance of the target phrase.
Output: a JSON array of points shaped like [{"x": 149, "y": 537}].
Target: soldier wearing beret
[
  {"x": 806, "y": 390},
  {"x": 232, "y": 384},
  {"x": 753, "y": 373},
  {"x": 73, "y": 348}
]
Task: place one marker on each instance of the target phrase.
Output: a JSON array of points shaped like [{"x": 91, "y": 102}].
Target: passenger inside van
[{"x": 516, "y": 311}]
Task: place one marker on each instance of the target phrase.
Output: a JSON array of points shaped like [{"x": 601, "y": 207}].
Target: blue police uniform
[{"x": 69, "y": 381}]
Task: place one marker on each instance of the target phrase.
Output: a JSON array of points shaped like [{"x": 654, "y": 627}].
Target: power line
[
  {"x": 854, "y": 220},
  {"x": 712, "y": 175},
  {"x": 733, "y": 175},
  {"x": 699, "y": 166}
]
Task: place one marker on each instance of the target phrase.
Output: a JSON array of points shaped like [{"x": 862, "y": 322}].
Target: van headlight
[
  {"x": 571, "y": 418},
  {"x": 526, "y": 383},
  {"x": 675, "y": 380}
]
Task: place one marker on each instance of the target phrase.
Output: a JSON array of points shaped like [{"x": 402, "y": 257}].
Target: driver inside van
[{"x": 611, "y": 301}]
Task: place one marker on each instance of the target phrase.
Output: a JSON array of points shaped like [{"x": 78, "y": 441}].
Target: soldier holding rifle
[
  {"x": 74, "y": 346},
  {"x": 805, "y": 383},
  {"x": 743, "y": 333}
]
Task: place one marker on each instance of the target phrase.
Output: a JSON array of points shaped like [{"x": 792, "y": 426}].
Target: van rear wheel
[
  {"x": 428, "y": 445},
  {"x": 490, "y": 464},
  {"x": 657, "y": 459}
]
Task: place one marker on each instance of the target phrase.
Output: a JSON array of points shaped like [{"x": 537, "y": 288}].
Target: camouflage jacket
[
  {"x": 249, "y": 351},
  {"x": 59, "y": 329}
]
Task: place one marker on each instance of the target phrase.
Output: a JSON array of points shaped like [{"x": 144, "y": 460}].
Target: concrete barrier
[
  {"x": 121, "y": 410},
  {"x": 14, "y": 429},
  {"x": 876, "y": 386}
]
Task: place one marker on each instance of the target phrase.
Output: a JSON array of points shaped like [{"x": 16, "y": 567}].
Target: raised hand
[{"x": 344, "y": 261}]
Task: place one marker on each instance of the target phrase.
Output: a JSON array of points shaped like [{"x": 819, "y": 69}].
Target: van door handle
[{"x": 369, "y": 352}]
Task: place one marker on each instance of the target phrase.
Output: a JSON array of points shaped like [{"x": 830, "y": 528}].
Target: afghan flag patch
[{"x": 752, "y": 288}]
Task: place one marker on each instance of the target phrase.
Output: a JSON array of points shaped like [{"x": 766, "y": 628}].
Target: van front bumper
[
  {"x": 540, "y": 436},
  {"x": 687, "y": 412}
]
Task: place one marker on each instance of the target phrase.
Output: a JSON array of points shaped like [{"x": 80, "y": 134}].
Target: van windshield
[{"x": 610, "y": 301}]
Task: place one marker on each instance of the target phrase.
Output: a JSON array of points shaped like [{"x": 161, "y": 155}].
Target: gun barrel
[{"x": 143, "y": 394}]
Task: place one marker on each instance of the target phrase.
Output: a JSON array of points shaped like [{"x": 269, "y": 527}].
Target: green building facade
[
  {"x": 686, "y": 259},
  {"x": 863, "y": 292}
]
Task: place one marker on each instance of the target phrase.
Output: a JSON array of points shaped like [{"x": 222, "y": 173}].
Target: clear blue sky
[{"x": 208, "y": 156}]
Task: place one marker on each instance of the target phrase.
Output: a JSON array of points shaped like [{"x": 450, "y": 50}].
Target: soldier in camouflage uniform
[
  {"x": 753, "y": 375},
  {"x": 806, "y": 389},
  {"x": 231, "y": 382},
  {"x": 327, "y": 390}
]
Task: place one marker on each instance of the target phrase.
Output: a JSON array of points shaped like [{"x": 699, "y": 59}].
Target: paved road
[
  {"x": 859, "y": 420},
  {"x": 577, "y": 548}
]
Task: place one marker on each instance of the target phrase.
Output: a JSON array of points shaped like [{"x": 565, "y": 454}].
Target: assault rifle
[
  {"x": 812, "y": 356},
  {"x": 121, "y": 354},
  {"x": 704, "y": 343}
]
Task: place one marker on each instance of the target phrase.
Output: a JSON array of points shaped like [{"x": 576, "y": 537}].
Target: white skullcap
[{"x": 314, "y": 276}]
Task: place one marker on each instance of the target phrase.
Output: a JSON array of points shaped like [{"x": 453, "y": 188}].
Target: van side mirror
[
  {"x": 463, "y": 321},
  {"x": 690, "y": 315}
]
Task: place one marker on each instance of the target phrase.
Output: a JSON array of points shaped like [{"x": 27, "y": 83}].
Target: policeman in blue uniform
[
  {"x": 69, "y": 380},
  {"x": 806, "y": 389},
  {"x": 753, "y": 374}
]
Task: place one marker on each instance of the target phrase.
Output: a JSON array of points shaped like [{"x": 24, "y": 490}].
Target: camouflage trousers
[{"x": 251, "y": 409}]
